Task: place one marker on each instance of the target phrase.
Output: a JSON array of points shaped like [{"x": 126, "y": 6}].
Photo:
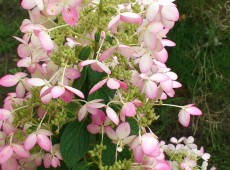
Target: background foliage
[{"x": 201, "y": 59}]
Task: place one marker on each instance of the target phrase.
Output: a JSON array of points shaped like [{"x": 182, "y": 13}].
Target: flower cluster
[
  {"x": 184, "y": 154},
  {"x": 97, "y": 61}
]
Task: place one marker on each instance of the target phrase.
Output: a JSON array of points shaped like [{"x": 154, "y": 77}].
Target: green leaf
[
  {"x": 109, "y": 155},
  {"x": 133, "y": 126},
  {"x": 97, "y": 36},
  {"x": 109, "y": 39},
  {"x": 75, "y": 142},
  {"x": 81, "y": 83},
  {"x": 104, "y": 93},
  {"x": 85, "y": 52},
  {"x": 94, "y": 77},
  {"x": 81, "y": 166}
]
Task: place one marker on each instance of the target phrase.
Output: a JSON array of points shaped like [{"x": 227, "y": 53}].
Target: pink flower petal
[
  {"x": 149, "y": 143},
  {"x": 113, "y": 83},
  {"x": 128, "y": 109},
  {"x": 20, "y": 151},
  {"x": 10, "y": 164},
  {"x": 112, "y": 115},
  {"x": 9, "y": 80},
  {"x": 82, "y": 113},
  {"x": 193, "y": 111},
  {"x": 72, "y": 74},
  {"x": 6, "y": 154},
  {"x": 70, "y": 15},
  {"x": 167, "y": 86},
  {"x": 138, "y": 154},
  {"x": 104, "y": 67},
  {"x": 28, "y": 4},
  {"x": 123, "y": 130},
  {"x": 99, "y": 118},
  {"x": 44, "y": 142},
  {"x": 25, "y": 62},
  {"x": 107, "y": 53},
  {"x": 57, "y": 91},
  {"x": 93, "y": 128},
  {"x": 184, "y": 118},
  {"x": 114, "y": 23},
  {"x": 46, "y": 41},
  {"x": 162, "y": 56},
  {"x": 86, "y": 62},
  {"x": 20, "y": 90},
  {"x": 23, "y": 50},
  {"x": 47, "y": 160},
  {"x": 30, "y": 141},
  {"x": 170, "y": 13},
  {"x": 146, "y": 63},
  {"x": 150, "y": 88},
  {"x": 159, "y": 77},
  {"x": 97, "y": 86},
  {"x": 152, "y": 12},
  {"x": 40, "y": 4},
  {"x": 111, "y": 133},
  {"x": 75, "y": 91},
  {"x": 54, "y": 7},
  {"x": 131, "y": 18},
  {"x": 36, "y": 82},
  {"x": 4, "y": 114}
]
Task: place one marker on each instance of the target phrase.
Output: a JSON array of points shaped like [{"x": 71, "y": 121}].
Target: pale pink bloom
[
  {"x": 4, "y": 114},
  {"x": 146, "y": 146},
  {"x": 127, "y": 17},
  {"x": 53, "y": 158},
  {"x": 19, "y": 79},
  {"x": 7, "y": 126},
  {"x": 123, "y": 50},
  {"x": 91, "y": 107},
  {"x": 187, "y": 164},
  {"x": 58, "y": 91},
  {"x": 98, "y": 121},
  {"x": 128, "y": 110},
  {"x": 71, "y": 42},
  {"x": 7, "y": 151},
  {"x": 41, "y": 138},
  {"x": 111, "y": 83},
  {"x": 29, "y": 4},
  {"x": 46, "y": 41},
  {"x": 120, "y": 136},
  {"x": 10, "y": 164},
  {"x": 155, "y": 164},
  {"x": 186, "y": 111},
  {"x": 69, "y": 10},
  {"x": 112, "y": 115},
  {"x": 95, "y": 65}
]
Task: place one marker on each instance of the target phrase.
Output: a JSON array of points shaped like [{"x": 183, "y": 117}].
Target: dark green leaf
[
  {"x": 109, "y": 155},
  {"x": 81, "y": 83},
  {"x": 133, "y": 125},
  {"x": 85, "y": 52},
  {"x": 75, "y": 142},
  {"x": 94, "y": 77},
  {"x": 81, "y": 166},
  {"x": 97, "y": 36},
  {"x": 109, "y": 39}
]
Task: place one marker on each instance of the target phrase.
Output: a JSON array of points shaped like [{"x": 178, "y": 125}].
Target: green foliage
[
  {"x": 109, "y": 155},
  {"x": 75, "y": 142},
  {"x": 85, "y": 52}
]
